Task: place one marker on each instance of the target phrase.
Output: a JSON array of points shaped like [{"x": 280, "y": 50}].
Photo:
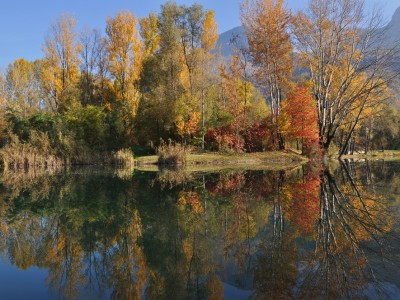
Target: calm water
[{"x": 308, "y": 233}]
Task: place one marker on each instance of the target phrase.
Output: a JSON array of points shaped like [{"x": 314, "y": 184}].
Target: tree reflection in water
[
  {"x": 305, "y": 233},
  {"x": 353, "y": 221}
]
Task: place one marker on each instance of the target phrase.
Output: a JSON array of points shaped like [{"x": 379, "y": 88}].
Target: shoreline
[
  {"x": 213, "y": 160},
  {"x": 374, "y": 155}
]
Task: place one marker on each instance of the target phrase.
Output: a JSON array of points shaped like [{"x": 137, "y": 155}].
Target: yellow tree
[
  {"x": 189, "y": 29},
  {"x": 266, "y": 23},
  {"x": 187, "y": 37},
  {"x": 233, "y": 88},
  {"x": 3, "y": 123},
  {"x": 125, "y": 57},
  {"x": 150, "y": 35},
  {"x": 2, "y": 90},
  {"x": 209, "y": 39},
  {"x": 22, "y": 86},
  {"x": 61, "y": 64},
  {"x": 231, "y": 82},
  {"x": 362, "y": 109}
]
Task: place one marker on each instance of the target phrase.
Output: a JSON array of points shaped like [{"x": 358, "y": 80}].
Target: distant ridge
[
  {"x": 392, "y": 29},
  {"x": 224, "y": 40}
]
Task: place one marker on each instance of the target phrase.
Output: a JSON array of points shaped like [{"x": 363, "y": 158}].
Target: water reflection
[{"x": 306, "y": 233}]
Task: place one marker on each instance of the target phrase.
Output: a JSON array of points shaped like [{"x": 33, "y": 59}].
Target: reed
[
  {"x": 38, "y": 153},
  {"x": 172, "y": 154}
]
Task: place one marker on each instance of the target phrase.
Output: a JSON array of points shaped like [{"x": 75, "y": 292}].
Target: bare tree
[
  {"x": 242, "y": 52},
  {"x": 348, "y": 62},
  {"x": 90, "y": 54}
]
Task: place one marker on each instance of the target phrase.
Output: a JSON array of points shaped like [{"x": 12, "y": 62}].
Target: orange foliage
[
  {"x": 299, "y": 120},
  {"x": 191, "y": 199},
  {"x": 305, "y": 208},
  {"x": 301, "y": 112}
]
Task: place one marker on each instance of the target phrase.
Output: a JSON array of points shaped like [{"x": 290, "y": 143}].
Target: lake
[{"x": 311, "y": 232}]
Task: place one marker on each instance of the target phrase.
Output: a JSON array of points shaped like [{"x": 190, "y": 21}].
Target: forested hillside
[{"x": 165, "y": 77}]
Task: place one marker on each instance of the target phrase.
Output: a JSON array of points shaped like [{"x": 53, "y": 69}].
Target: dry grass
[
  {"x": 38, "y": 153},
  {"x": 35, "y": 154},
  {"x": 172, "y": 154},
  {"x": 123, "y": 158}
]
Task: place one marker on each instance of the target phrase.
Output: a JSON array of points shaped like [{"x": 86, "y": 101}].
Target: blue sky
[{"x": 24, "y": 23}]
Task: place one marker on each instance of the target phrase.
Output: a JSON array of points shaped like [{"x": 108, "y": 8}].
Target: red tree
[{"x": 299, "y": 113}]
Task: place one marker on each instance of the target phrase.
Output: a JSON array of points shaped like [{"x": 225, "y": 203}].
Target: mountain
[
  {"x": 224, "y": 40},
  {"x": 392, "y": 29}
]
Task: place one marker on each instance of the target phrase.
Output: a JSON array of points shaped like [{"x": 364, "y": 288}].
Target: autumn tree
[
  {"x": 192, "y": 38},
  {"x": 3, "y": 123},
  {"x": 170, "y": 54},
  {"x": 209, "y": 39},
  {"x": 23, "y": 86},
  {"x": 103, "y": 75},
  {"x": 160, "y": 83},
  {"x": 61, "y": 64},
  {"x": 177, "y": 74},
  {"x": 190, "y": 31},
  {"x": 243, "y": 60},
  {"x": 2, "y": 90},
  {"x": 348, "y": 67},
  {"x": 231, "y": 84},
  {"x": 298, "y": 119},
  {"x": 150, "y": 34},
  {"x": 267, "y": 29},
  {"x": 124, "y": 49}
]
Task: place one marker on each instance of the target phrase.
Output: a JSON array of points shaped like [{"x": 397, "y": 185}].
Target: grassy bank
[{"x": 210, "y": 161}]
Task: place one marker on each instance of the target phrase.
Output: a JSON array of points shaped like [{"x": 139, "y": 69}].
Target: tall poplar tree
[
  {"x": 267, "y": 30},
  {"x": 125, "y": 58},
  {"x": 61, "y": 63}
]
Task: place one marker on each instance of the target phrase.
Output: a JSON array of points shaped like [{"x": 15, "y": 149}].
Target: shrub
[
  {"x": 224, "y": 139},
  {"x": 88, "y": 125},
  {"x": 257, "y": 138},
  {"x": 172, "y": 154},
  {"x": 123, "y": 158}
]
